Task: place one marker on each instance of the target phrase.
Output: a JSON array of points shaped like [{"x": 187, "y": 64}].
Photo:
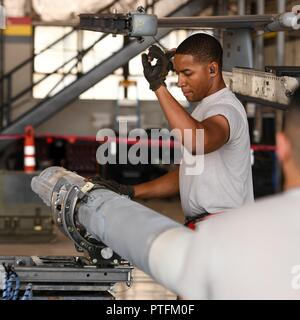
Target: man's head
[
  {"x": 288, "y": 143},
  {"x": 198, "y": 63}
]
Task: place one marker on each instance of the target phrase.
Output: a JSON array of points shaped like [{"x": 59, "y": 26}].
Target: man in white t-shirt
[{"x": 226, "y": 181}]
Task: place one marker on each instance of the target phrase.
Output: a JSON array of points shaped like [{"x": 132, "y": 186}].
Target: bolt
[
  {"x": 95, "y": 261},
  {"x": 140, "y": 39},
  {"x": 21, "y": 262},
  {"x": 141, "y": 9}
]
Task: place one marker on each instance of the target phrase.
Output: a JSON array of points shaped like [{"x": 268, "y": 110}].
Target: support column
[
  {"x": 259, "y": 65},
  {"x": 2, "y": 68},
  {"x": 241, "y": 7},
  {"x": 279, "y": 114}
]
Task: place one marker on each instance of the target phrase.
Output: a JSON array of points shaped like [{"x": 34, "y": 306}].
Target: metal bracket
[
  {"x": 65, "y": 198},
  {"x": 132, "y": 24},
  {"x": 238, "y": 49},
  {"x": 262, "y": 87},
  {"x": 66, "y": 277}
]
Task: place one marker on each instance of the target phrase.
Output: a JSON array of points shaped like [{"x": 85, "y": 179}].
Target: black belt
[{"x": 196, "y": 218}]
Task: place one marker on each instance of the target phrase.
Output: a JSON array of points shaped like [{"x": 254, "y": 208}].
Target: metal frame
[
  {"x": 60, "y": 275},
  {"x": 238, "y": 49},
  {"x": 219, "y": 22},
  {"x": 47, "y": 109},
  {"x": 263, "y": 87}
]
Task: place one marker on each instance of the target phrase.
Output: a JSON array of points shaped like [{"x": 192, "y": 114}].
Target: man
[
  {"x": 226, "y": 181},
  {"x": 249, "y": 253}
]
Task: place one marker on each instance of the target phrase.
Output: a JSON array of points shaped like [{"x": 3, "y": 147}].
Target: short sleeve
[{"x": 234, "y": 117}]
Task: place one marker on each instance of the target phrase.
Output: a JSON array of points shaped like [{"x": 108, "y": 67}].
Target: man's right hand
[
  {"x": 156, "y": 75},
  {"x": 114, "y": 186}
]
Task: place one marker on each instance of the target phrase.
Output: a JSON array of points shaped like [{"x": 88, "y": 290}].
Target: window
[{"x": 57, "y": 64}]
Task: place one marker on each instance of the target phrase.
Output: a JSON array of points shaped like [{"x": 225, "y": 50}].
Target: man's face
[{"x": 193, "y": 77}]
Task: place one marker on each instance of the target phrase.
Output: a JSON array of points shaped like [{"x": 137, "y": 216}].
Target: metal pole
[
  {"x": 259, "y": 64},
  {"x": 269, "y": 22},
  {"x": 222, "y": 11},
  {"x": 2, "y": 61},
  {"x": 280, "y": 58},
  {"x": 281, "y": 5},
  {"x": 259, "y": 46},
  {"x": 241, "y": 7},
  {"x": 225, "y": 7}
]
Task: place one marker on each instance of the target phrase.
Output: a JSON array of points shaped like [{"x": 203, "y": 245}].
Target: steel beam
[
  {"x": 223, "y": 22},
  {"x": 282, "y": 22}
]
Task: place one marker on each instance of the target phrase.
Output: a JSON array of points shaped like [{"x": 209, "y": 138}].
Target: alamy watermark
[
  {"x": 160, "y": 146},
  {"x": 295, "y": 283}
]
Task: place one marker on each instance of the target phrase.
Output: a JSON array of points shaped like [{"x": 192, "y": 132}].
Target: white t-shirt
[
  {"x": 226, "y": 181},
  {"x": 249, "y": 253}
]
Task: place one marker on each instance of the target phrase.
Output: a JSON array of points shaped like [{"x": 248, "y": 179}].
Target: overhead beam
[{"x": 282, "y": 22}]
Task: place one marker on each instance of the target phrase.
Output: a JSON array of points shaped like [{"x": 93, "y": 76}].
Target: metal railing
[{"x": 9, "y": 99}]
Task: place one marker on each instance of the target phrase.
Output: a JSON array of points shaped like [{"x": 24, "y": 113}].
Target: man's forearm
[
  {"x": 179, "y": 119},
  {"x": 163, "y": 187}
]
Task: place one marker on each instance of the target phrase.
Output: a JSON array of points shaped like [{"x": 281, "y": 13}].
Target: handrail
[
  {"x": 80, "y": 54},
  {"x": 23, "y": 63}
]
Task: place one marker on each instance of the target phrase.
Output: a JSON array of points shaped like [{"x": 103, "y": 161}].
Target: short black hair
[
  {"x": 204, "y": 47},
  {"x": 292, "y": 125}
]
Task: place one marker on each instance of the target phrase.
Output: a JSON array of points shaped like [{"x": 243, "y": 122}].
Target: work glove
[
  {"x": 156, "y": 75},
  {"x": 114, "y": 186}
]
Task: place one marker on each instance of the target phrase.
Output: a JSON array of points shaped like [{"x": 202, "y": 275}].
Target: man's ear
[
  {"x": 213, "y": 69},
  {"x": 284, "y": 149}
]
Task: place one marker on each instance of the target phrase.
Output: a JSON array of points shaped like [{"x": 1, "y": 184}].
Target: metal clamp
[
  {"x": 65, "y": 199},
  {"x": 133, "y": 24}
]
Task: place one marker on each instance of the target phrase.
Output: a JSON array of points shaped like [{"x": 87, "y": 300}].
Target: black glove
[
  {"x": 114, "y": 186},
  {"x": 156, "y": 75}
]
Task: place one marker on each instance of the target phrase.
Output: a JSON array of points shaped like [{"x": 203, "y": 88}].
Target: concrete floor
[{"x": 143, "y": 287}]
